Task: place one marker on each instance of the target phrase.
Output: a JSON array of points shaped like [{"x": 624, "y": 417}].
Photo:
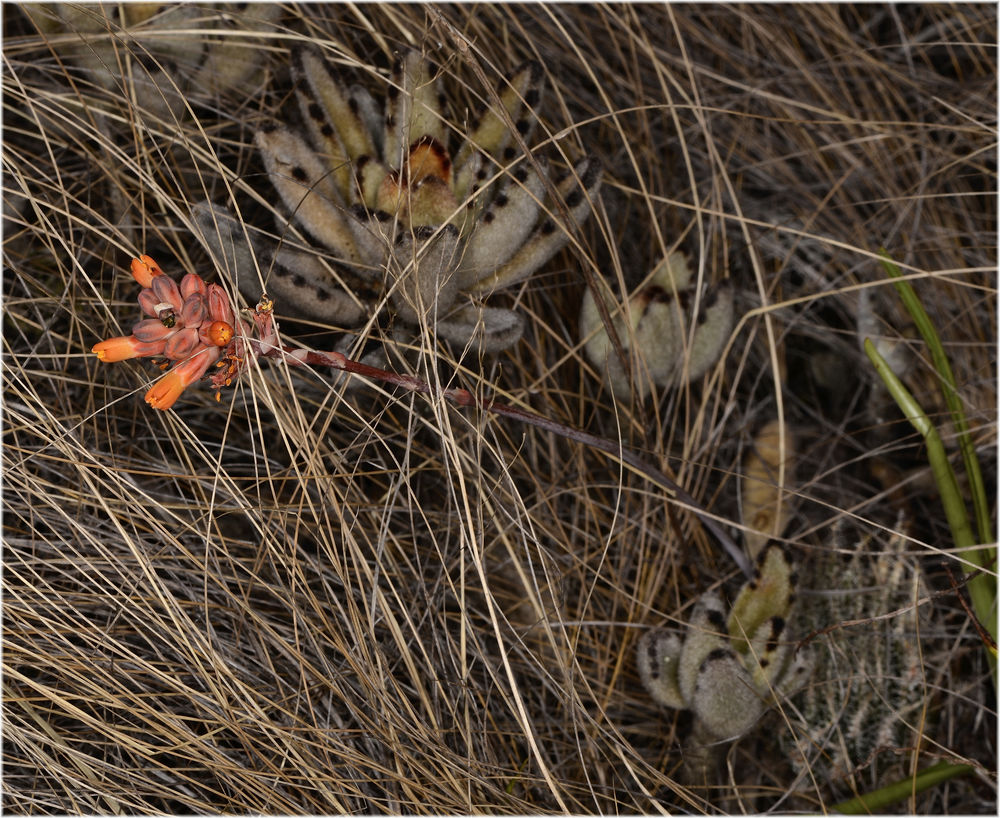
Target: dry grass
[{"x": 296, "y": 602}]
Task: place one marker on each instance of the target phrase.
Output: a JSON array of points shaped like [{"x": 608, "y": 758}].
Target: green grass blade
[
  {"x": 952, "y": 398},
  {"x": 878, "y": 800},
  {"x": 982, "y": 587}
]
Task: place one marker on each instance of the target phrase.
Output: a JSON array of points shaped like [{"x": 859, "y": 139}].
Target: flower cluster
[{"x": 192, "y": 324}]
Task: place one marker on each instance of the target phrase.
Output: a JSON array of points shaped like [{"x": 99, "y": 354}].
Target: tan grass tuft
[{"x": 300, "y": 602}]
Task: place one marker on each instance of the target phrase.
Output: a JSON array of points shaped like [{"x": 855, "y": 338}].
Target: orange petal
[
  {"x": 166, "y": 289},
  {"x": 165, "y": 391},
  {"x": 151, "y": 330},
  {"x": 182, "y": 345},
  {"x": 195, "y": 310},
  {"x": 219, "y": 308},
  {"x": 144, "y": 270},
  {"x": 122, "y": 349},
  {"x": 191, "y": 284}
]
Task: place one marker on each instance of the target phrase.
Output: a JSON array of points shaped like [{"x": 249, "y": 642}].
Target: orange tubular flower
[
  {"x": 192, "y": 324},
  {"x": 144, "y": 270},
  {"x": 169, "y": 388},
  {"x": 122, "y": 349}
]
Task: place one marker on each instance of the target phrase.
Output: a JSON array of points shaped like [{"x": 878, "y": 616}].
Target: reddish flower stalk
[
  {"x": 464, "y": 398},
  {"x": 195, "y": 325}
]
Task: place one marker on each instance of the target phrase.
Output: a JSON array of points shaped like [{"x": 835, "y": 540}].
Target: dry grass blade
[{"x": 306, "y": 600}]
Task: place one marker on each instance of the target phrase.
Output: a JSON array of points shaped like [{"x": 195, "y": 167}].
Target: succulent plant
[
  {"x": 655, "y": 328},
  {"x": 728, "y": 670},
  {"x": 381, "y": 193}
]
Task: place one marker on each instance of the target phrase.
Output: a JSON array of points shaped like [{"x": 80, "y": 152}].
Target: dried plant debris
[
  {"x": 201, "y": 57},
  {"x": 294, "y": 603},
  {"x": 656, "y": 330},
  {"x": 857, "y": 723},
  {"x": 766, "y": 502}
]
